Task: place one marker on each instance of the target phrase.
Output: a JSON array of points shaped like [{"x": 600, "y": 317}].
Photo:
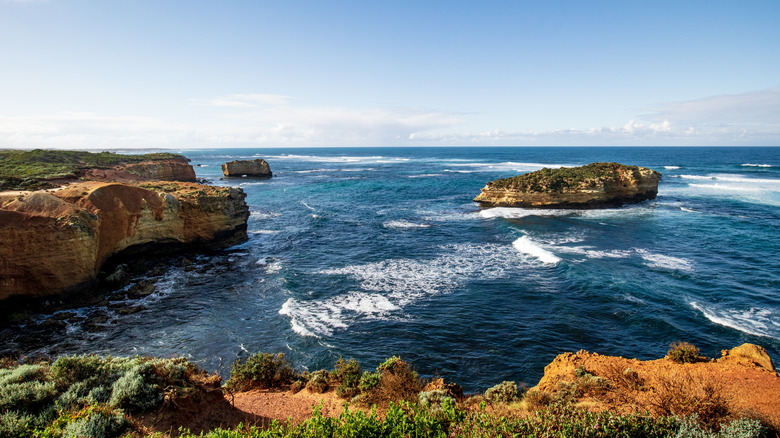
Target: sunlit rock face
[{"x": 596, "y": 185}]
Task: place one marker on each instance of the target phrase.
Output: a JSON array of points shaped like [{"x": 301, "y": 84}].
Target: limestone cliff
[
  {"x": 54, "y": 241},
  {"x": 258, "y": 168},
  {"x": 595, "y": 185}
]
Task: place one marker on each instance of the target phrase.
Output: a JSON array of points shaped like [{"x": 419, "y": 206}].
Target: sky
[{"x": 96, "y": 74}]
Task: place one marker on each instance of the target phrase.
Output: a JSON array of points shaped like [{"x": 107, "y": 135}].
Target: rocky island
[
  {"x": 89, "y": 208},
  {"x": 596, "y": 185},
  {"x": 258, "y": 168}
]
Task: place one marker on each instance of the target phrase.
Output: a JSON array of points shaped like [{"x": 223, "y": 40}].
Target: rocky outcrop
[
  {"x": 52, "y": 242},
  {"x": 258, "y": 168},
  {"x": 168, "y": 170},
  {"x": 595, "y": 185}
]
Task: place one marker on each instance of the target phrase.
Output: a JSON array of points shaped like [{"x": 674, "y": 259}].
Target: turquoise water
[{"x": 374, "y": 252}]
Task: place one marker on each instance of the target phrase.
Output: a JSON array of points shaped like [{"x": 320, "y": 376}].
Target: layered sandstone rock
[
  {"x": 168, "y": 170},
  {"x": 258, "y": 168},
  {"x": 595, "y": 185},
  {"x": 54, "y": 241}
]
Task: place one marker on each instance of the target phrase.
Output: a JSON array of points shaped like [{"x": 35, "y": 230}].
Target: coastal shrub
[
  {"x": 346, "y": 376},
  {"x": 262, "y": 370},
  {"x": 435, "y": 400},
  {"x": 135, "y": 391},
  {"x": 504, "y": 392},
  {"x": 369, "y": 381},
  {"x": 683, "y": 352},
  {"x": 397, "y": 381},
  {"x": 31, "y": 395},
  {"x": 318, "y": 381},
  {"x": 536, "y": 400},
  {"x": 98, "y": 421},
  {"x": 682, "y": 394}
]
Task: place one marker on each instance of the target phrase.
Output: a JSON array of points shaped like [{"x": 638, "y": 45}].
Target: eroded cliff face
[
  {"x": 54, "y": 241},
  {"x": 596, "y": 185}
]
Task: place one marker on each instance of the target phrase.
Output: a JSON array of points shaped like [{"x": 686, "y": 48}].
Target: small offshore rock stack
[
  {"x": 258, "y": 168},
  {"x": 596, "y": 185}
]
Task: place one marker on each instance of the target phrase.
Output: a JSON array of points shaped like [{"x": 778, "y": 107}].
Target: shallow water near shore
[{"x": 374, "y": 252}]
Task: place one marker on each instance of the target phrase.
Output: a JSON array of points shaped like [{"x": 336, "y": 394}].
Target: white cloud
[
  {"x": 257, "y": 120},
  {"x": 243, "y": 100},
  {"x": 753, "y": 108}
]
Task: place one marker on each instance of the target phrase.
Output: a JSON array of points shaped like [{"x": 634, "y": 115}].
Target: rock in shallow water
[
  {"x": 596, "y": 185},
  {"x": 258, "y": 168}
]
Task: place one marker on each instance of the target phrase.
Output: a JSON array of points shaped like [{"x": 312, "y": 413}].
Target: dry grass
[{"x": 682, "y": 394}]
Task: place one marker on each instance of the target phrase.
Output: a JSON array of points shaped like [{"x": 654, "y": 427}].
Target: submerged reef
[{"x": 596, "y": 185}]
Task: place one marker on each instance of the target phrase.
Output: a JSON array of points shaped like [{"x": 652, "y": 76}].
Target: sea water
[{"x": 374, "y": 252}]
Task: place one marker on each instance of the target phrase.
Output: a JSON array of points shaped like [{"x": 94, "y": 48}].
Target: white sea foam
[
  {"x": 386, "y": 287},
  {"x": 734, "y": 179},
  {"x": 403, "y": 224},
  {"x": 688, "y": 210},
  {"x": 527, "y": 246},
  {"x": 424, "y": 175},
  {"x": 338, "y": 159},
  {"x": 263, "y": 232},
  {"x": 270, "y": 265},
  {"x": 664, "y": 262},
  {"x": 755, "y": 321},
  {"x": 671, "y": 167},
  {"x": 264, "y": 214},
  {"x": 508, "y": 166},
  {"x": 757, "y": 165},
  {"x": 591, "y": 253},
  {"x": 519, "y": 213},
  {"x": 308, "y": 206}
]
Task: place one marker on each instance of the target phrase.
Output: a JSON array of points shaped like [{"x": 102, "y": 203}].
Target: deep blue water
[{"x": 374, "y": 252}]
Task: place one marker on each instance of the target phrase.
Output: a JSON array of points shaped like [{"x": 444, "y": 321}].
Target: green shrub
[
  {"x": 27, "y": 396},
  {"x": 23, "y": 373},
  {"x": 435, "y": 400},
  {"x": 683, "y": 352},
  {"x": 134, "y": 391},
  {"x": 389, "y": 363},
  {"x": 347, "y": 376},
  {"x": 262, "y": 370},
  {"x": 504, "y": 392},
  {"x": 318, "y": 381},
  {"x": 369, "y": 381}
]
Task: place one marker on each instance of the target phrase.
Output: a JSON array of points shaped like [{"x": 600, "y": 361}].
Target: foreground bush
[
  {"x": 85, "y": 395},
  {"x": 262, "y": 370},
  {"x": 558, "y": 420}
]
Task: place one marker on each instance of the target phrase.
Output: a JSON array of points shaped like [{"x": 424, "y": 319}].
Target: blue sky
[{"x": 182, "y": 74}]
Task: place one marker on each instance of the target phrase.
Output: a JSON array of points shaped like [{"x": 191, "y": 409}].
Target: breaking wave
[{"x": 755, "y": 320}]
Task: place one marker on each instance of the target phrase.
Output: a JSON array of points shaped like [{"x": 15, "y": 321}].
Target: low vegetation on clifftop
[
  {"x": 29, "y": 170},
  {"x": 581, "y": 395}
]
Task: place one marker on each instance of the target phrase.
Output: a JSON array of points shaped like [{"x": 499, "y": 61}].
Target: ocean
[{"x": 368, "y": 253}]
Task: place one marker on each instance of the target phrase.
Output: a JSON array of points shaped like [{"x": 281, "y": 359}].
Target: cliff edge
[
  {"x": 53, "y": 241},
  {"x": 596, "y": 185},
  {"x": 65, "y": 213}
]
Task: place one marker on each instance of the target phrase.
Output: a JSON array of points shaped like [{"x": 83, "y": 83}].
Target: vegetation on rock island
[
  {"x": 590, "y": 176},
  {"x": 95, "y": 396}
]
